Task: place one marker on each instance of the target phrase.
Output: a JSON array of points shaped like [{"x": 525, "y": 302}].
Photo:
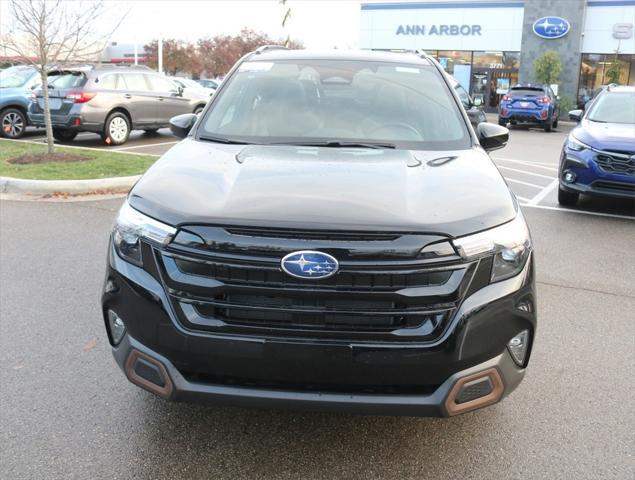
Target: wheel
[
  {"x": 116, "y": 129},
  {"x": 547, "y": 125},
  {"x": 198, "y": 109},
  {"x": 555, "y": 123},
  {"x": 13, "y": 123},
  {"x": 568, "y": 199},
  {"x": 64, "y": 135},
  {"x": 502, "y": 122},
  {"x": 151, "y": 131}
]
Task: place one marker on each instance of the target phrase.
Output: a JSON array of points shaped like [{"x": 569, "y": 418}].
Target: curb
[{"x": 48, "y": 187}]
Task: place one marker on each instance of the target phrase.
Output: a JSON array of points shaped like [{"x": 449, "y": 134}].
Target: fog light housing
[
  {"x": 569, "y": 176},
  {"x": 117, "y": 327},
  {"x": 518, "y": 347}
]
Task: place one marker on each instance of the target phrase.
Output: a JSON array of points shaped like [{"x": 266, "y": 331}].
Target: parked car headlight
[
  {"x": 575, "y": 144},
  {"x": 510, "y": 245},
  {"x": 131, "y": 226}
]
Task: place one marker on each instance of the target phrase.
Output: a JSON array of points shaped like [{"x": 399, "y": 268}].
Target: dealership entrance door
[{"x": 490, "y": 84}]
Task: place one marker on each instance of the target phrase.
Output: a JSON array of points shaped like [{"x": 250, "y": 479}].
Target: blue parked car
[
  {"x": 16, "y": 84},
  {"x": 530, "y": 103},
  {"x": 598, "y": 157}
]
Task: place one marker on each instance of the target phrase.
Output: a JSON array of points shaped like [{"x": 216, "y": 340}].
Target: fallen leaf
[{"x": 89, "y": 345}]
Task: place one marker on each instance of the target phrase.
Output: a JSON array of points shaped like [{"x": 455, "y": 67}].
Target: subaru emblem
[
  {"x": 551, "y": 27},
  {"x": 309, "y": 264}
]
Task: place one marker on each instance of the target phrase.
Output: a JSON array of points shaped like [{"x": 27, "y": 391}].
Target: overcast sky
[{"x": 319, "y": 24}]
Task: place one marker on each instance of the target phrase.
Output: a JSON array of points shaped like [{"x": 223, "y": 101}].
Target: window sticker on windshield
[
  {"x": 255, "y": 67},
  {"x": 407, "y": 69}
]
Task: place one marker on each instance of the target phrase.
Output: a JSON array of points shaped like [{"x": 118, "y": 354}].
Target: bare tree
[{"x": 54, "y": 33}]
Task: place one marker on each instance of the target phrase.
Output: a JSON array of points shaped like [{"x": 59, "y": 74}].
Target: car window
[
  {"x": 526, "y": 92},
  {"x": 67, "y": 79},
  {"x": 463, "y": 96},
  {"x": 613, "y": 107},
  {"x": 14, "y": 77},
  {"x": 160, "y": 84},
  {"x": 338, "y": 100},
  {"x": 135, "y": 82},
  {"x": 108, "y": 82}
]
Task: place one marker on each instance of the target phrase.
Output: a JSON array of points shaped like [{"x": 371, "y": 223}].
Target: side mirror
[
  {"x": 182, "y": 124},
  {"x": 576, "y": 115},
  {"x": 477, "y": 102},
  {"x": 491, "y": 136},
  {"x": 180, "y": 89}
]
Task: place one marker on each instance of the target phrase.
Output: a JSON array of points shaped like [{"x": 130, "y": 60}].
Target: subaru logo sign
[
  {"x": 551, "y": 27},
  {"x": 309, "y": 264}
]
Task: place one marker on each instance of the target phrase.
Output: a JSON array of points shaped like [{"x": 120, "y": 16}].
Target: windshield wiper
[
  {"x": 211, "y": 138},
  {"x": 338, "y": 144}
]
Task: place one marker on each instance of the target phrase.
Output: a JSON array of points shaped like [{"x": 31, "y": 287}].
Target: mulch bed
[{"x": 47, "y": 158}]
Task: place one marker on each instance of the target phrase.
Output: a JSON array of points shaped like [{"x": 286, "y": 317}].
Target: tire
[
  {"x": 151, "y": 131},
  {"x": 198, "y": 109},
  {"x": 547, "y": 126},
  {"x": 12, "y": 123},
  {"x": 567, "y": 199},
  {"x": 555, "y": 123},
  {"x": 64, "y": 135},
  {"x": 502, "y": 122},
  {"x": 116, "y": 129}
]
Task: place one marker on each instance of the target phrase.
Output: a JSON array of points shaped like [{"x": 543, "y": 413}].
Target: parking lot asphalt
[{"x": 67, "y": 411}]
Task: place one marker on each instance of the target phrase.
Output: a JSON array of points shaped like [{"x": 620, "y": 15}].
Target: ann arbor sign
[{"x": 449, "y": 30}]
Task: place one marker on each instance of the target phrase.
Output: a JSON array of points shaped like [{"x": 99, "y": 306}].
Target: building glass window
[
  {"x": 449, "y": 58},
  {"x": 593, "y": 73}
]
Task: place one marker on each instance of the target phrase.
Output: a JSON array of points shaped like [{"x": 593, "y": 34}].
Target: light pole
[{"x": 160, "y": 54}]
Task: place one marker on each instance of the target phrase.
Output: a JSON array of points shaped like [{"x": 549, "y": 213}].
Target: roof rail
[{"x": 264, "y": 48}]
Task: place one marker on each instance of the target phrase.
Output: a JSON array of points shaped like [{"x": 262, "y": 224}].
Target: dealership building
[{"x": 490, "y": 45}]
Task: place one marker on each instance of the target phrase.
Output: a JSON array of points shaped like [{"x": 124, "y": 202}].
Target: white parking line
[
  {"x": 583, "y": 212},
  {"x": 526, "y": 172},
  {"x": 543, "y": 193},
  {"x": 523, "y": 199},
  {"x": 528, "y": 164},
  {"x": 146, "y": 146},
  {"x": 533, "y": 185}
]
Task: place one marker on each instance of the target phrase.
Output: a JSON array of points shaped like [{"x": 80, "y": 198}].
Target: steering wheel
[{"x": 413, "y": 134}]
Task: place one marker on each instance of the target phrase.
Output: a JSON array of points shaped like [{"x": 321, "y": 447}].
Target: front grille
[
  {"x": 388, "y": 291},
  {"x": 615, "y": 186},
  {"x": 616, "y": 162},
  {"x": 268, "y": 275},
  {"x": 317, "y": 313},
  {"x": 349, "y": 387},
  {"x": 310, "y": 234}
]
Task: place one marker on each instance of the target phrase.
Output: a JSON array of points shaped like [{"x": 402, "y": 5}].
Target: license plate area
[{"x": 54, "y": 103}]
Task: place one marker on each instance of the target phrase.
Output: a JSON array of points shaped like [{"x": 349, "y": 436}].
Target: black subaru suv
[{"x": 330, "y": 234}]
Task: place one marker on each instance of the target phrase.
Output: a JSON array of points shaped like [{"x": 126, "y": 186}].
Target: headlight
[
  {"x": 510, "y": 245},
  {"x": 575, "y": 144},
  {"x": 132, "y": 225}
]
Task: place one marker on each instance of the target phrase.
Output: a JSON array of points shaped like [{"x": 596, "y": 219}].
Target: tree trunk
[{"x": 47, "y": 111}]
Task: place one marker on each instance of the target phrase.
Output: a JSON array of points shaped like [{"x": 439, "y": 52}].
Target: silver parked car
[
  {"x": 111, "y": 101},
  {"x": 188, "y": 85}
]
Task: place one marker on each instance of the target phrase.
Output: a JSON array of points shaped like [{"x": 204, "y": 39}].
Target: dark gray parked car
[
  {"x": 473, "y": 107},
  {"x": 111, "y": 101}
]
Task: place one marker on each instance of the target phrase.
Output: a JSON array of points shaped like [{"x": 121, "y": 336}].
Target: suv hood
[
  {"x": 606, "y": 136},
  {"x": 451, "y": 193}
]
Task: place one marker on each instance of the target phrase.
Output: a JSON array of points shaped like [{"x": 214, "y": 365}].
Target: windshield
[
  {"x": 15, "y": 77},
  {"x": 526, "y": 92},
  {"x": 613, "y": 107},
  {"x": 67, "y": 79},
  {"x": 337, "y": 101}
]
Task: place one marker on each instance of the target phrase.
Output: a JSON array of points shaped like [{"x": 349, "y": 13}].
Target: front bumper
[
  {"x": 371, "y": 377},
  {"x": 177, "y": 388},
  {"x": 592, "y": 180}
]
